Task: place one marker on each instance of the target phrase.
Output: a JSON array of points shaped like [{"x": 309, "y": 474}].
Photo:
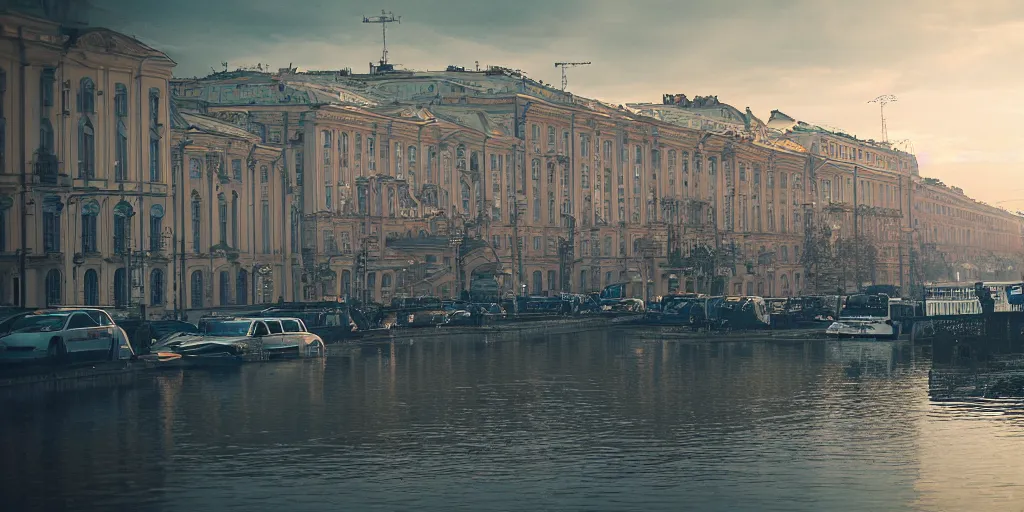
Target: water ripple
[{"x": 597, "y": 421}]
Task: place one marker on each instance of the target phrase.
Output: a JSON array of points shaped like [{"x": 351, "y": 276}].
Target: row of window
[
  {"x": 227, "y": 223},
  {"x": 86, "y": 107},
  {"x": 122, "y": 227},
  {"x": 54, "y": 288}
]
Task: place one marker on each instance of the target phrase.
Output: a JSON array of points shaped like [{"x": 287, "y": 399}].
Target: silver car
[
  {"x": 248, "y": 339},
  {"x": 60, "y": 335}
]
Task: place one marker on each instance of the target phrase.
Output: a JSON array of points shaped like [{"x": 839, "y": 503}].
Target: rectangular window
[
  {"x": 236, "y": 169},
  {"x": 329, "y": 197},
  {"x": 46, "y": 81},
  {"x": 154, "y": 159},
  {"x": 51, "y": 232},
  {"x": 3, "y": 230},
  {"x": 196, "y": 225},
  {"x": 265, "y": 225},
  {"x": 155, "y": 234}
]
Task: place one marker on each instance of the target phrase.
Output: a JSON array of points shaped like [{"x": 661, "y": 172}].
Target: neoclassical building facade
[
  {"x": 122, "y": 187},
  {"x": 84, "y": 166}
]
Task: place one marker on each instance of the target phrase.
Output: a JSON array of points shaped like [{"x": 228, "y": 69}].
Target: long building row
[{"x": 121, "y": 186}]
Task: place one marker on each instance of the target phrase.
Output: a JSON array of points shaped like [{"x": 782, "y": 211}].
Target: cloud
[{"x": 953, "y": 64}]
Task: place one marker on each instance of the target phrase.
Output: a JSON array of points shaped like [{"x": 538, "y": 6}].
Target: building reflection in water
[{"x": 558, "y": 422}]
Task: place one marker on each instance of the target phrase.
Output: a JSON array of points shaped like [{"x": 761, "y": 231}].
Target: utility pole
[
  {"x": 383, "y": 20},
  {"x": 563, "y": 65},
  {"x": 882, "y": 101},
  {"x": 856, "y": 231}
]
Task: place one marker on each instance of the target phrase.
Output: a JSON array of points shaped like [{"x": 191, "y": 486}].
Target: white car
[
  {"x": 61, "y": 336},
  {"x": 247, "y": 339}
]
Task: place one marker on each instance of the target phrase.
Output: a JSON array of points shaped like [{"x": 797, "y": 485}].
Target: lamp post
[{"x": 454, "y": 241}]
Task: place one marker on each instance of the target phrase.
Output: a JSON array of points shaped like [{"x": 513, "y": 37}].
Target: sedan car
[
  {"x": 248, "y": 339},
  {"x": 60, "y": 335}
]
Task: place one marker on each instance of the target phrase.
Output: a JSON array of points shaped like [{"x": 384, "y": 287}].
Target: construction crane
[
  {"x": 882, "y": 101},
  {"x": 383, "y": 19},
  {"x": 564, "y": 65}
]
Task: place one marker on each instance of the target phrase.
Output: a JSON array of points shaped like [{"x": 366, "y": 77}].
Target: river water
[{"x": 611, "y": 420}]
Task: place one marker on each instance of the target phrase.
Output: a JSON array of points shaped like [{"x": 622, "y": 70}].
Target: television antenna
[
  {"x": 383, "y": 20},
  {"x": 882, "y": 101},
  {"x": 564, "y": 65}
]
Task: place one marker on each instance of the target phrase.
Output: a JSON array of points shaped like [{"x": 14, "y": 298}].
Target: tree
[
  {"x": 823, "y": 275},
  {"x": 857, "y": 259}
]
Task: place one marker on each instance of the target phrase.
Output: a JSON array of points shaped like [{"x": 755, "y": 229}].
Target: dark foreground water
[{"x": 596, "y": 421}]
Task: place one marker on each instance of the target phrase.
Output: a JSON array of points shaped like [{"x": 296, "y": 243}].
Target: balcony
[{"x": 48, "y": 170}]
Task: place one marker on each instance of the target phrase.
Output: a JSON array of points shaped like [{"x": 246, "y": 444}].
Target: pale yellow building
[
  {"x": 252, "y": 187},
  {"x": 84, "y": 167}
]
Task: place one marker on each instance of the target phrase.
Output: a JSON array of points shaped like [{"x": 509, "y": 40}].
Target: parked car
[
  {"x": 247, "y": 339},
  {"x": 62, "y": 336}
]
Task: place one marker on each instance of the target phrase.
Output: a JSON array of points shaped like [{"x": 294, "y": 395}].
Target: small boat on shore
[{"x": 875, "y": 316}]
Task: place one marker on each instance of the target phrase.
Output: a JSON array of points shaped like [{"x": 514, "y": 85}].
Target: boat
[{"x": 874, "y": 316}]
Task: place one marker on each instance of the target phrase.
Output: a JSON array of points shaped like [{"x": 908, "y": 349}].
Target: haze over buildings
[{"x": 305, "y": 185}]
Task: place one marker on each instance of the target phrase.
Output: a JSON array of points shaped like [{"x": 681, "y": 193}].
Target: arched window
[
  {"x": 156, "y": 287},
  {"x": 234, "y": 220},
  {"x": 343, "y": 146},
  {"x": 92, "y": 288},
  {"x": 538, "y": 282},
  {"x": 197, "y": 215},
  {"x": 122, "y": 227},
  {"x": 154, "y": 136},
  {"x": 121, "y": 152},
  {"x": 86, "y": 149},
  {"x": 120, "y": 100},
  {"x": 465, "y": 198},
  {"x": 242, "y": 287},
  {"x": 385, "y": 281},
  {"x": 460, "y": 158},
  {"x": 398, "y": 160},
  {"x": 412, "y": 158},
  {"x": 222, "y": 217},
  {"x": 86, "y": 96},
  {"x": 54, "y": 282},
  {"x": 120, "y": 288},
  {"x": 90, "y": 212},
  {"x": 197, "y": 289},
  {"x": 446, "y": 163},
  {"x": 52, "y": 207},
  {"x": 225, "y": 288}
]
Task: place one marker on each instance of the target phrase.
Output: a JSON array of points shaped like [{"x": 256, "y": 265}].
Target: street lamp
[{"x": 454, "y": 241}]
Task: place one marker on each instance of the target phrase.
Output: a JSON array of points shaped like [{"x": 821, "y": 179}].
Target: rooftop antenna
[
  {"x": 882, "y": 101},
  {"x": 383, "y": 19},
  {"x": 564, "y": 65}
]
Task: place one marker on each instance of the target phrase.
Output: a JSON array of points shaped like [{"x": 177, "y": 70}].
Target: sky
[{"x": 954, "y": 65}]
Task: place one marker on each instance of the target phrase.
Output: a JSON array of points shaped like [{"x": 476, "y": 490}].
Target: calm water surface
[{"x": 594, "y": 421}]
